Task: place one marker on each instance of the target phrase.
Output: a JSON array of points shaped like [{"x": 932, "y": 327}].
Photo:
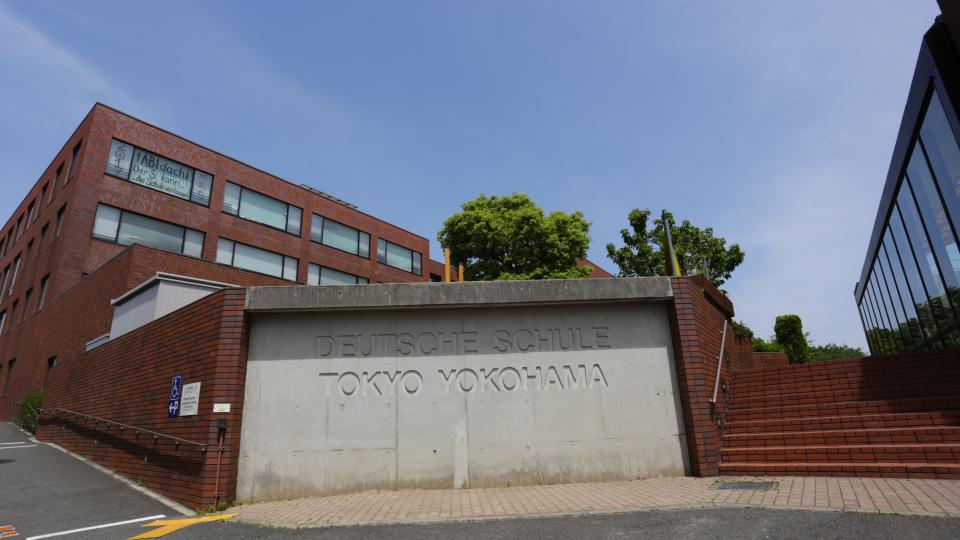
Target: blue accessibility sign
[{"x": 173, "y": 407}]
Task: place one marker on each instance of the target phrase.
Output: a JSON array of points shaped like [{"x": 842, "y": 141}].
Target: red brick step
[
  {"x": 885, "y": 469},
  {"x": 844, "y": 408},
  {"x": 819, "y": 437},
  {"x": 858, "y": 453}
]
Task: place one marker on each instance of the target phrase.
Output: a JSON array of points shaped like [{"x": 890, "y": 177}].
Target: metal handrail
[
  {"x": 137, "y": 430},
  {"x": 723, "y": 342}
]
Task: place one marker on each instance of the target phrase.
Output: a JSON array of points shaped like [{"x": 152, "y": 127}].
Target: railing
[
  {"x": 723, "y": 342},
  {"x": 136, "y": 430}
]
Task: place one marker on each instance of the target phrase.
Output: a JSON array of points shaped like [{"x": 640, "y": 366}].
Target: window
[
  {"x": 935, "y": 216},
  {"x": 13, "y": 313},
  {"x": 26, "y": 304},
  {"x": 30, "y": 212},
  {"x": 321, "y": 275},
  {"x": 3, "y": 320},
  {"x": 941, "y": 149},
  {"x": 6, "y": 276},
  {"x": 13, "y": 275},
  {"x": 96, "y": 342},
  {"x": 941, "y": 309},
  {"x": 339, "y": 236},
  {"x": 126, "y": 228},
  {"x": 256, "y": 259},
  {"x": 43, "y": 236},
  {"x": 56, "y": 179},
  {"x": 60, "y": 213},
  {"x": 43, "y": 291},
  {"x": 74, "y": 162},
  {"x": 6, "y": 382},
  {"x": 147, "y": 169},
  {"x": 914, "y": 280},
  {"x": 248, "y": 204},
  {"x": 51, "y": 363},
  {"x": 43, "y": 194},
  {"x": 19, "y": 226},
  {"x": 397, "y": 256}
]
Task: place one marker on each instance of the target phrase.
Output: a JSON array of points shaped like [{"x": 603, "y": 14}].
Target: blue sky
[{"x": 772, "y": 122}]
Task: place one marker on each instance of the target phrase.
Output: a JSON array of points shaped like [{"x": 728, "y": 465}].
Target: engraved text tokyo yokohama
[
  {"x": 467, "y": 380},
  {"x": 549, "y": 376}
]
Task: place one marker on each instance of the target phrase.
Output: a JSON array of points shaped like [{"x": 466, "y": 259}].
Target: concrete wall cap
[{"x": 456, "y": 295}]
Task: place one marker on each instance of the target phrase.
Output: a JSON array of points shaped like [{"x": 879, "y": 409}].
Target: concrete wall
[{"x": 342, "y": 401}]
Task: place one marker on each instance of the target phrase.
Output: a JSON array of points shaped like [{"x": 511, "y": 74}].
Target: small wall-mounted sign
[
  {"x": 190, "y": 399},
  {"x": 173, "y": 405},
  {"x": 221, "y": 407}
]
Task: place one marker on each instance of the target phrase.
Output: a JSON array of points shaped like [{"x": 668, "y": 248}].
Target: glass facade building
[{"x": 909, "y": 292}]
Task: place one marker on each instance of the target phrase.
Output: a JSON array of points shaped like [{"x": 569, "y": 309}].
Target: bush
[
  {"x": 740, "y": 329},
  {"x": 30, "y": 410},
  {"x": 789, "y": 332},
  {"x": 833, "y": 351},
  {"x": 759, "y": 345}
]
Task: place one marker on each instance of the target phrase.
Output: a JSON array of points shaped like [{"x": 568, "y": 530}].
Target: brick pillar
[{"x": 697, "y": 314}]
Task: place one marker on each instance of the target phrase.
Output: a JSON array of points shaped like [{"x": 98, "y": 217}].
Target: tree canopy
[
  {"x": 698, "y": 250},
  {"x": 510, "y": 237}
]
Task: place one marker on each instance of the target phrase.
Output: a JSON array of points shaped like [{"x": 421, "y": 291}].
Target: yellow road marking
[{"x": 167, "y": 526}]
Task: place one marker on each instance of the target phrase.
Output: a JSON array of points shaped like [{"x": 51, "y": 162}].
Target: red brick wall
[
  {"x": 65, "y": 323},
  {"x": 750, "y": 359},
  {"x": 128, "y": 380},
  {"x": 72, "y": 255},
  {"x": 107, "y": 123},
  {"x": 697, "y": 316}
]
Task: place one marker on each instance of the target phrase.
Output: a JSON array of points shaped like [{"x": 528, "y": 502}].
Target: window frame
[
  {"x": 56, "y": 179},
  {"x": 384, "y": 262},
  {"x": 320, "y": 268},
  {"x": 61, "y": 217},
  {"x": 74, "y": 162},
  {"x": 183, "y": 237},
  {"x": 193, "y": 177},
  {"x": 6, "y": 382},
  {"x": 233, "y": 256},
  {"x": 323, "y": 220},
  {"x": 286, "y": 216},
  {"x": 44, "y": 285}
]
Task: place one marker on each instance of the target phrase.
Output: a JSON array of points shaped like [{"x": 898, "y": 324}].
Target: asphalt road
[
  {"x": 44, "y": 491},
  {"x": 719, "y": 523}
]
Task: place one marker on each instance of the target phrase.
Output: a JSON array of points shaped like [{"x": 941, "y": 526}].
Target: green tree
[
  {"x": 740, "y": 329},
  {"x": 510, "y": 237},
  {"x": 789, "y": 335},
  {"x": 833, "y": 351},
  {"x": 698, "y": 250}
]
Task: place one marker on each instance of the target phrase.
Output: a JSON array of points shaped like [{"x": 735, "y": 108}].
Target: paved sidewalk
[{"x": 876, "y": 495}]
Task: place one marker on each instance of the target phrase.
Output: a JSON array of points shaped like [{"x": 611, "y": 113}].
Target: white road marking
[
  {"x": 5, "y": 443},
  {"x": 14, "y": 447},
  {"x": 104, "y": 526}
]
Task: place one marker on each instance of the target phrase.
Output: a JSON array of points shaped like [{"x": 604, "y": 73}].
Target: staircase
[{"x": 892, "y": 416}]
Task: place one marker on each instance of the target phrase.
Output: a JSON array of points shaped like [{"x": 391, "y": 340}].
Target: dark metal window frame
[
  {"x": 384, "y": 260},
  {"x": 183, "y": 237},
  {"x": 323, "y": 220},
  {"x": 286, "y": 215},
  {"x": 233, "y": 254}
]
